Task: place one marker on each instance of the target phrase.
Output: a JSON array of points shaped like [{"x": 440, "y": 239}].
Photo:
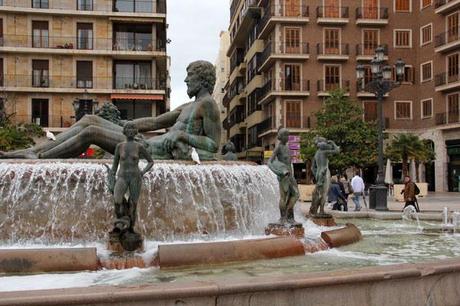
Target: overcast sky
[{"x": 194, "y": 28}]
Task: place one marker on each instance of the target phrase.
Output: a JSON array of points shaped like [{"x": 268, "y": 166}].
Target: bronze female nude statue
[{"x": 128, "y": 180}]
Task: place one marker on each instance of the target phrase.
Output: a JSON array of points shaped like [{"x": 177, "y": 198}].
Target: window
[
  {"x": 452, "y": 27},
  {"x": 40, "y": 112},
  {"x": 40, "y": 34},
  {"x": 134, "y": 109},
  {"x": 253, "y": 104},
  {"x": 402, "y": 38},
  {"x": 292, "y": 77},
  {"x": 40, "y": 73},
  {"x": 85, "y": 36},
  {"x": 331, "y": 41},
  {"x": 293, "y": 114},
  {"x": 84, "y": 74},
  {"x": 1, "y": 72},
  {"x": 253, "y": 137},
  {"x": 133, "y": 75},
  {"x": 426, "y": 34},
  {"x": 252, "y": 68},
  {"x": 40, "y": 4},
  {"x": 409, "y": 73},
  {"x": 425, "y": 3},
  {"x": 452, "y": 68},
  {"x": 427, "y": 108},
  {"x": 292, "y": 8},
  {"x": 292, "y": 40},
  {"x": 453, "y": 107},
  {"x": 85, "y": 5},
  {"x": 403, "y": 109},
  {"x": 133, "y": 37},
  {"x": 370, "y": 9},
  {"x": 331, "y": 9},
  {"x": 331, "y": 77},
  {"x": 370, "y": 41},
  {"x": 426, "y": 70},
  {"x": 133, "y": 6},
  {"x": 402, "y": 5},
  {"x": 370, "y": 111},
  {"x": 1, "y": 32}
]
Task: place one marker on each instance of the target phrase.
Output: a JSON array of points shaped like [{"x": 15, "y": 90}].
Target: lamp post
[{"x": 380, "y": 84}]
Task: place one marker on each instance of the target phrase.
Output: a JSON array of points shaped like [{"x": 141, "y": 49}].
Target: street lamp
[{"x": 380, "y": 85}]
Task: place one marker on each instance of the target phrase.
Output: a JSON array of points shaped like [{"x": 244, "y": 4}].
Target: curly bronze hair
[{"x": 207, "y": 73}]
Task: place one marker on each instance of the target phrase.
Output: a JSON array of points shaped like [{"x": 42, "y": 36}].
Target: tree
[
  {"x": 341, "y": 120},
  {"x": 404, "y": 147}
]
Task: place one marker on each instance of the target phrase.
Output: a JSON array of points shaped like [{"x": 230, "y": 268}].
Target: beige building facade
[
  {"x": 222, "y": 73},
  {"x": 62, "y": 59},
  {"x": 286, "y": 55}
]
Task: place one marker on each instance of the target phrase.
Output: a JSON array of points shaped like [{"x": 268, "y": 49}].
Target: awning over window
[{"x": 136, "y": 97}]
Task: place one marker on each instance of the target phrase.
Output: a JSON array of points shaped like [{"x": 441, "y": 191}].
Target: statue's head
[
  {"x": 109, "y": 112},
  {"x": 319, "y": 141},
  {"x": 229, "y": 147},
  {"x": 200, "y": 74},
  {"x": 130, "y": 130},
  {"x": 283, "y": 135}
]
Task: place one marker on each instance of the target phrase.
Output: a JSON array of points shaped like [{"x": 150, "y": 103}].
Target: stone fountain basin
[{"x": 434, "y": 283}]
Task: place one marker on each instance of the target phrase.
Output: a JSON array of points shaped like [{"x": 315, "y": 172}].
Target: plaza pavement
[{"x": 434, "y": 202}]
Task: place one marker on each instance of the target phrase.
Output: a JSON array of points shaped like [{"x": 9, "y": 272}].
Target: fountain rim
[
  {"x": 219, "y": 287},
  {"x": 109, "y": 161}
]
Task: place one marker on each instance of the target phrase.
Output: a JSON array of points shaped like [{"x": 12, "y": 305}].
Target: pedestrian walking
[
  {"x": 357, "y": 184},
  {"x": 410, "y": 192},
  {"x": 346, "y": 185}
]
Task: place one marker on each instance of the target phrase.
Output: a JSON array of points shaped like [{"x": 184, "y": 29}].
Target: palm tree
[{"x": 404, "y": 147}]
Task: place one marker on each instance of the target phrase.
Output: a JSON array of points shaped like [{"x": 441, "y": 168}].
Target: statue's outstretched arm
[
  {"x": 144, "y": 154},
  {"x": 163, "y": 121},
  {"x": 335, "y": 148}
]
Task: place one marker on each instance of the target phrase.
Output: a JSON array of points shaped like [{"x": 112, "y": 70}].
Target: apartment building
[
  {"x": 222, "y": 73},
  {"x": 62, "y": 59},
  {"x": 286, "y": 55}
]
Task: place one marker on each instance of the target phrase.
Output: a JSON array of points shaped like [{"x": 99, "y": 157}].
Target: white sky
[{"x": 194, "y": 28}]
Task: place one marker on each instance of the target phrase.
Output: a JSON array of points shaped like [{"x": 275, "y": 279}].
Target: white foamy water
[{"x": 56, "y": 201}]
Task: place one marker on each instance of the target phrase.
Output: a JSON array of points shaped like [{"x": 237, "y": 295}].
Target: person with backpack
[{"x": 410, "y": 192}]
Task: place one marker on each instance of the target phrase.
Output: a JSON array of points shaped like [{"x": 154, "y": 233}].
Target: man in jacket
[
  {"x": 357, "y": 184},
  {"x": 336, "y": 197},
  {"x": 409, "y": 193}
]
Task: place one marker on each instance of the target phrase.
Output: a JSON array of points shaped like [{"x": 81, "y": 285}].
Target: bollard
[
  {"x": 192, "y": 254},
  {"x": 343, "y": 236},
  {"x": 48, "y": 260}
]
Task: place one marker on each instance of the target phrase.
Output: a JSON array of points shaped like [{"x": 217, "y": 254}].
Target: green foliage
[
  {"x": 404, "y": 147},
  {"x": 341, "y": 120},
  {"x": 14, "y": 137}
]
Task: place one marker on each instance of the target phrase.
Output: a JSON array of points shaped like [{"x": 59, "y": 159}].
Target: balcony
[
  {"x": 281, "y": 51},
  {"x": 446, "y": 6},
  {"x": 447, "y": 41},
  {"x": 367, "y": 52},
  {"x": 372, "y": 16},
  {"x": 249, "y": 14},
  {"x": 333, "y": 52},
  {"x": 70, "y": 84},
  {"x": 236, "y": 59},
  {"x": 266, "y": 127},
  {"x": 324, "y": 88},
  {"x": 444, "y": 82},
  {"x": 278, "y": 14},
  {"x": 284, "y": 88},
  {"x": 81, "y": 45},
  {"x": 448, "y": 118},
  {"x": 138, "y": 8},
  {"x": 331, "y": 15}
]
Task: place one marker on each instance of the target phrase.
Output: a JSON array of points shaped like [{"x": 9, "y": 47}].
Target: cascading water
[{"x": 61, "y": 201}]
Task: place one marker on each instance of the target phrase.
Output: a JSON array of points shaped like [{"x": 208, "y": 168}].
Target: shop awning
[{"x": 136, "y": 97}]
